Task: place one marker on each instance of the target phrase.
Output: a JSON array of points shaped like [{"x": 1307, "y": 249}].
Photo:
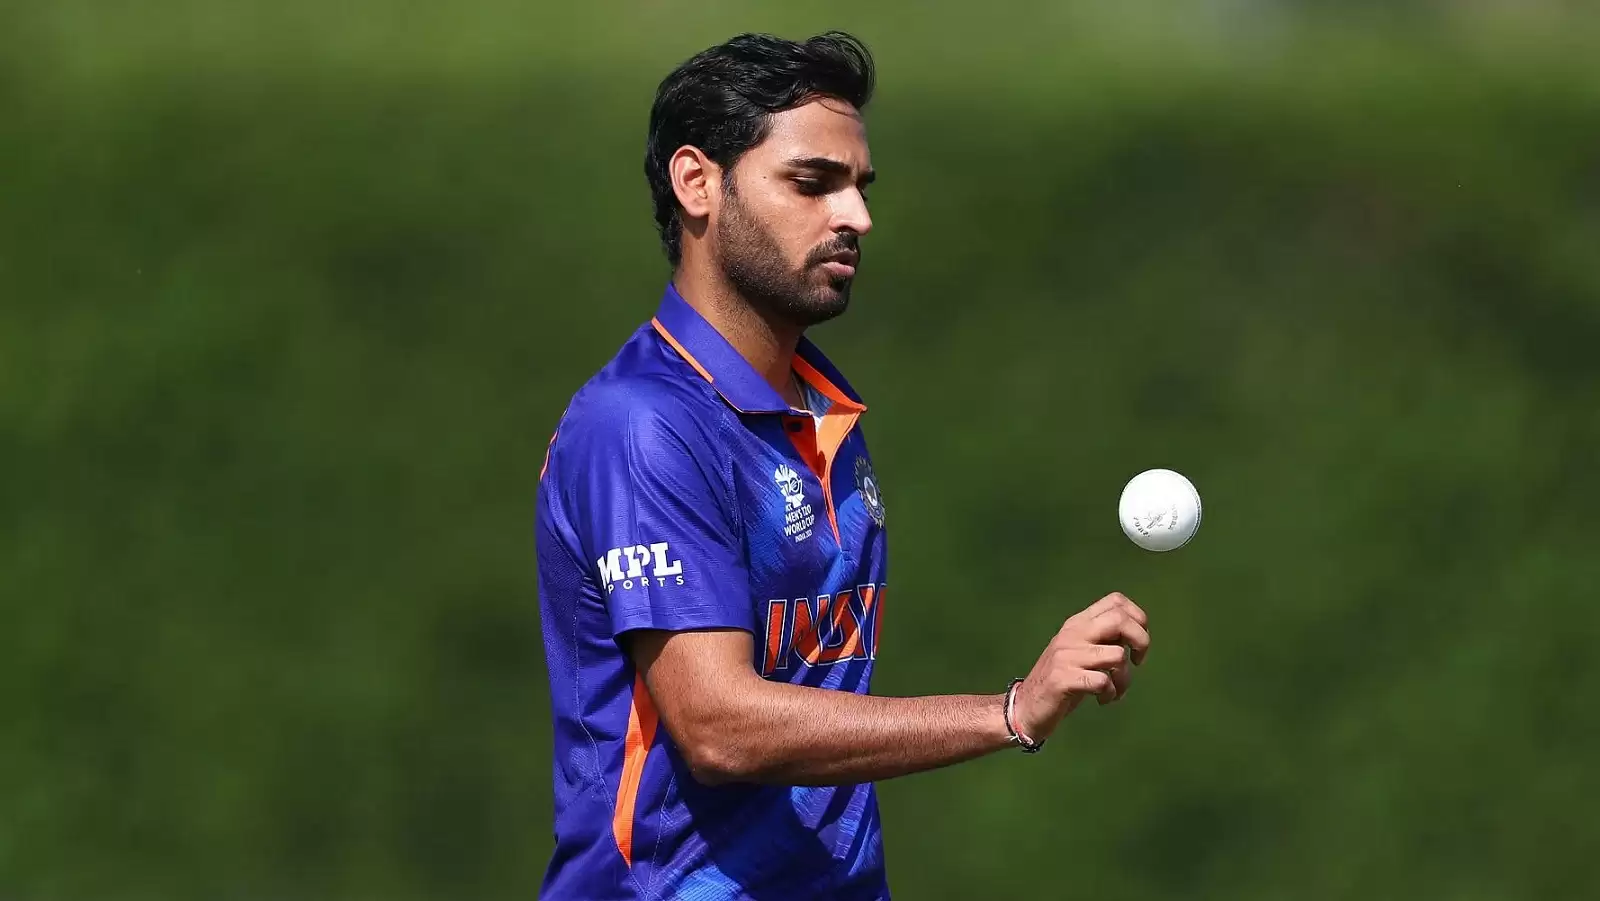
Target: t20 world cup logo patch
[
  {"x": 798, "y": 519},
  {"x": 871, "y": 494},
  {"x": 794, "y": 490}
]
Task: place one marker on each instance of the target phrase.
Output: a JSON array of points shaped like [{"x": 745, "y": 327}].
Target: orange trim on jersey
[
  {"x": 805, "y": 439},
  {"x": 820, "y": 382},
  {"x": 547, "y": 448},
  {"x": 846, "y": 626},
  {"x": 836, "y": 426},
  {"x": 802, "y": 434},
  {"x": 777, "y": 654},
  {"x": 689, "y": 357},
  {"x": 636, "y": 747},
  {"x": 806, "y": 637}
]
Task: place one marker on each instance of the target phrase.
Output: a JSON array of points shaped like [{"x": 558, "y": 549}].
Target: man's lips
[{"x": 842, "y": 265}]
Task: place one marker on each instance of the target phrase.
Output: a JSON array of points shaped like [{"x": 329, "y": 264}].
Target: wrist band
[{"x": 1028, "y": 745}]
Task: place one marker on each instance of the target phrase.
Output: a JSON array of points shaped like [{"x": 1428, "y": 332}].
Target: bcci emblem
[{"x": 871, "y": 497}]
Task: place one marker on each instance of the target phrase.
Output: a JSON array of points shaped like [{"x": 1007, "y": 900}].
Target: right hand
[{"x": 1089, "y": 656}]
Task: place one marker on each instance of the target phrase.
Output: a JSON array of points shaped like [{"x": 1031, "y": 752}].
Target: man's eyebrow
[{"x": 824, "y": 164}]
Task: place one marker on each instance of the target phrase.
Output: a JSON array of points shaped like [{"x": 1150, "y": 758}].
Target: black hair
[{"x": 721, "y": 99}]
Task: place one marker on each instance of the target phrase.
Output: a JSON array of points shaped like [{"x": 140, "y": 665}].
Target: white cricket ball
[{"x": 1159, "y": 509}]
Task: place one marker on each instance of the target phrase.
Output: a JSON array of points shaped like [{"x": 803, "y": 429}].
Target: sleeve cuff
[{"x": 682, "y": 619}]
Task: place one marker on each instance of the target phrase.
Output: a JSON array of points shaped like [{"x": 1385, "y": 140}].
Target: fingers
[
  {"x": 1109, "y": 602},
  {"x": 1099, "y": 656},
  {"x": 1093, "y": 682},
  {"x": 1113, "y": 601},
  {"x": 1095, "y": 651},
  {"x": 1116, "y": 602},
  {"x": 1122, "y": 679},
  {"x": 1134, "y": 610},
  {"x": 1110, "y": 660},
  {"x": 1107, "y": 691},
  {"x": 1117, "y": 625}
]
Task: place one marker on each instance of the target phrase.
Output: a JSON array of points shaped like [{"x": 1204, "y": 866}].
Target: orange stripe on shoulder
[
  {"x": 636, "y": 747},
  {"x": 680, "y": 349}
]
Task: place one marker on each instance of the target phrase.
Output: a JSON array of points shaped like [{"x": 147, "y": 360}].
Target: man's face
[{"x": 786, "y": 234}]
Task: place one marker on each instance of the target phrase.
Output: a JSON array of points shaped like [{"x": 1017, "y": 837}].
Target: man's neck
[{"x": 768, "y": 347}]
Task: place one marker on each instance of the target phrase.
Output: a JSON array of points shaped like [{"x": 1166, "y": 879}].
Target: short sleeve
[{"x": 654, "y": 515}]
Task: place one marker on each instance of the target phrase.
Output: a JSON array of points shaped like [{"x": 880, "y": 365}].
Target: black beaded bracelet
[{"x": 1028, "y": 745}]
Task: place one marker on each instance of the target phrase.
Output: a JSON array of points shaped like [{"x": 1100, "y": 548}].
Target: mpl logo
[{"x": 638, "y": 557}]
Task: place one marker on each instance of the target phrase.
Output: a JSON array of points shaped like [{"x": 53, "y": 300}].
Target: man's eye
[{"x": 810, "y": 186}]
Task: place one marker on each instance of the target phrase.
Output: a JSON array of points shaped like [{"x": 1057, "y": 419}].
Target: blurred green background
[{"x": 291, "y": 295}]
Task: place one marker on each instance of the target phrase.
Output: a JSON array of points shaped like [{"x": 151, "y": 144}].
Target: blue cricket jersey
[{"x": 680, "y": 491}]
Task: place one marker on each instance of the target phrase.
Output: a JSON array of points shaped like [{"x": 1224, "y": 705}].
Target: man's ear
[{"x": 696, "y": 180}]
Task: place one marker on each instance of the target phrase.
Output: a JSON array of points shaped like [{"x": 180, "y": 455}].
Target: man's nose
[{"x": 850, "y": 213}]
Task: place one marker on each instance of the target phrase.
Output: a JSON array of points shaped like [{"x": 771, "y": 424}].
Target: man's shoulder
[{"x": 642, "y": 392}]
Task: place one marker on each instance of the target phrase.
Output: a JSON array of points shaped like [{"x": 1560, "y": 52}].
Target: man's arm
[{"x": 734, "y": 726}]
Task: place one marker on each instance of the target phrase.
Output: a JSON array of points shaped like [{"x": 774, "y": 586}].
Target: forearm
[
  {"x": 796, "y": 735},
  {"x": 731, "y": 725}
]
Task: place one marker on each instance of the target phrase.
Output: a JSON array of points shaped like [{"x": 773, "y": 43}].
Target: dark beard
[{"x": 753, "y": 264}]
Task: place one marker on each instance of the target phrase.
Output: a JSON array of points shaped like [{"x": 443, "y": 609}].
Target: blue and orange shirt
[{"x": 680, "y": 491}]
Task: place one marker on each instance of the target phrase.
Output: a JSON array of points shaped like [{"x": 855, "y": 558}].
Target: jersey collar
[{"x": 704, "y": 348}]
